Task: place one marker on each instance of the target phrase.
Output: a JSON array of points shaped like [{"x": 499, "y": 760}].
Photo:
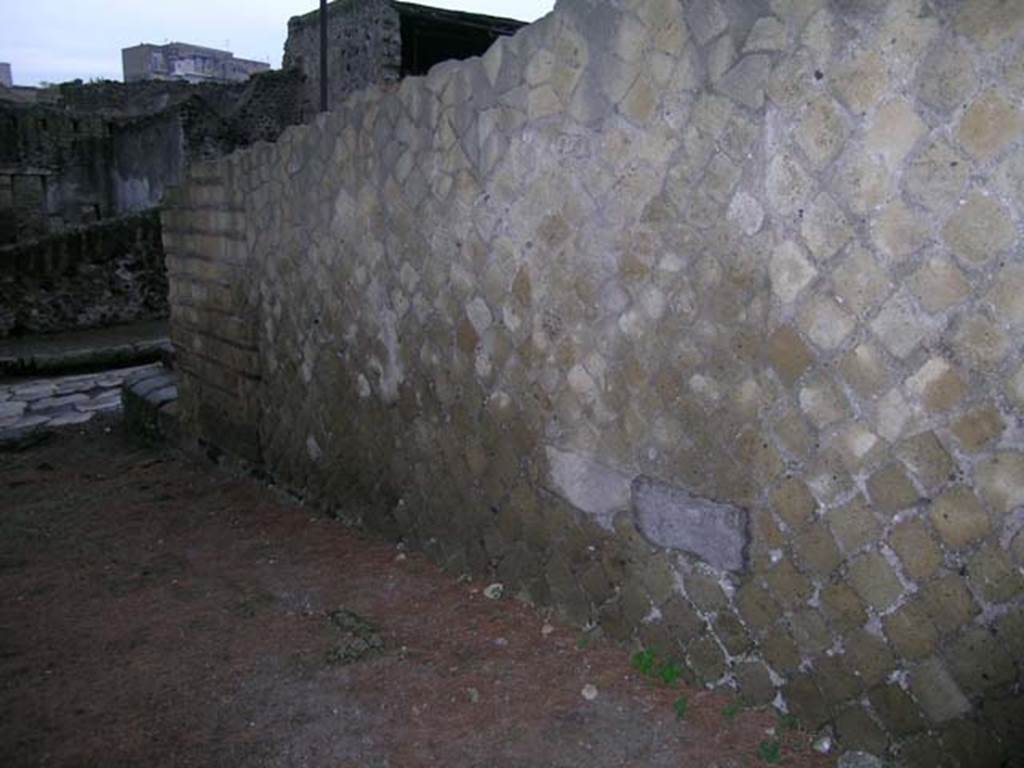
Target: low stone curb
[
  {"x": 31, "y": 409},
  {"x": 97, "y": 358},
  {"x": 150, "y": 402}
]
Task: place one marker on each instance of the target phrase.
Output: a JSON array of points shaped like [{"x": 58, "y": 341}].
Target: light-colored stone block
[
  {"x": 788, "y": 185},
  {"x": 981, "y": 342},
  {"x": 990, "y": 23},
  {"x": 825, "y": 322},
  {"x": 1000, "y": 480},
  {"x": 937, "y": 385},
  {"x": 859, "y": 281},
  {"x": 865, "y": 371},
  {"x": 959, "y": 518},
  {"x": 862, "y": 181},
  {"x": 588, "y": 485},
  {"x": 937, "y": 693},
  {"x": 989, "y": 125},
  {"x": 893, "y": 131},
  {"x": 825, "y": 228},
  {"x": 939, "y": 284},
  {"x": 947, "y": 77},
  {"x": 706, "y": 19},
  {"x": 893, "y": 415},
  {"x": 745, "y": 81},
  {"x": 912, "y": 542},
  {"x": 746, "y": 212},
  {"x": 874, "y": 580},
  {"x": 862, "y": 81},
  {"x": 790, "y": 271},
  {"x": 1007, "y": 294},
  {"x": 767, "y": 34},
  {"x": 821, "y": 131},
  {"x": 936, "y": 175},
  {"x": 822, "y": 402},
  {"x": 901, "y": 326},
  {"x": 1015, "y": 387},
  {"x": 900, "y": 232},
  {"x": 853, "y": 525}
]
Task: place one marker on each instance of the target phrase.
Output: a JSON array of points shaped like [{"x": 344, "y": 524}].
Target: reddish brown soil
[{"x": 155, "y": 611}]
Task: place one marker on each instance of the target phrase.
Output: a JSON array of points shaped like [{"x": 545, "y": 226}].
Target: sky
[{"x": 58, "y": 40}]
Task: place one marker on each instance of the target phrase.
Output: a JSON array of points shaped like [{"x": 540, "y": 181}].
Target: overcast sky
[{"x": 58, "y": 40}]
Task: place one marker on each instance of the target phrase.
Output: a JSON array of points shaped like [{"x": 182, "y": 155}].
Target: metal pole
[{"x": 323, "y": 55}]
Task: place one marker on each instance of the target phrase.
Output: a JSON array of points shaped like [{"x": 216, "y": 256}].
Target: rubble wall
[{"x": 364, "y": 47}]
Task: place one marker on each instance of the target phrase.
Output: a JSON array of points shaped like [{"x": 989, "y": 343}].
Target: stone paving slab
[{"x": 66, "y": 401}]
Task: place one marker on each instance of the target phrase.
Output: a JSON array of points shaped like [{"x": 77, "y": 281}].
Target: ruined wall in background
[
  {"x": 699, "y": 320},
  {"x": 52, "y": 170},
  {"x": 270, "y": 103},
  {"x": 151, "y": 154},
  {"x": 99, "y": 275},
  {"x": 364, "y": 48},
  {"x": 148, "y": 156},
  {"x": 107, "y": 148},
  {"x": 116, "y": 99}
]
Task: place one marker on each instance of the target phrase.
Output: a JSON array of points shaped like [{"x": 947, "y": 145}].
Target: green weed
[
  {"x": 680, "y": 706},
  {"x": 670, "y": 672},
  {"x": 770, "y": 751},
  {"x": 645, "y": 662},
  {"x": 789, "y": 722}
]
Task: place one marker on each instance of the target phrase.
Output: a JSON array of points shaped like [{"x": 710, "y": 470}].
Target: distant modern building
[
  {"x": 183, "y": 61},
  {"x": 5, "y": 75}
]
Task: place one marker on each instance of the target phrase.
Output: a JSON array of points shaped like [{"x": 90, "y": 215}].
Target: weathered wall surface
[
  {"x": 147, "y": 157},
  {"x": 699, "y": 320},
  {"x": 98, "y": 275},
  {"x": 364, "y": 48}
]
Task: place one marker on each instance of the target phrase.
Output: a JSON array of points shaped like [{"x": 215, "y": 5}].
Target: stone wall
[
  {"x": 698, "y": 320},
  {"x": 214, "y": 305},
  {"x": 90, "y": 276}
]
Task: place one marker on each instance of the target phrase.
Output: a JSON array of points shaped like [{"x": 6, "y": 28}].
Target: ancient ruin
[{"x": 698, "y": 320}]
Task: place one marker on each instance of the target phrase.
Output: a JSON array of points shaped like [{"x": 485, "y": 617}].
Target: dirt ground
[{"x": 157, "y": 611}]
